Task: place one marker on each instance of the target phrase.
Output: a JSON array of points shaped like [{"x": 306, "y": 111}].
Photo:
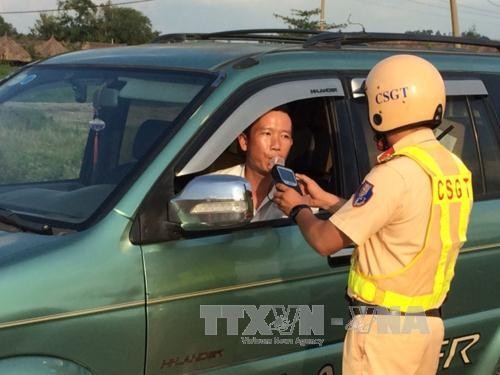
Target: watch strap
[{"x": 295, "y": 211}]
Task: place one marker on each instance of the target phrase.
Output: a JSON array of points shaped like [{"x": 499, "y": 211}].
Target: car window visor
[{"x": 10, "y": 218}]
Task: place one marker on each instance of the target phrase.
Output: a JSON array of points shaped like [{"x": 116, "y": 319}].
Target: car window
[
  {"x": 312, "y": 151},
  {"x": 254, "y": 106},
  {"x": 492, "y": 83},
  {"x": 70, "y": 135},
  {"x": 43, "y": 132},
  {"x": 461, "y": 140},
  {"x": 140, "y": 113},
  {"x": 489, "y": 142}
]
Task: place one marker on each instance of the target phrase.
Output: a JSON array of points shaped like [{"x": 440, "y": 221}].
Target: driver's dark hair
[{"x": 282, "y": 108}]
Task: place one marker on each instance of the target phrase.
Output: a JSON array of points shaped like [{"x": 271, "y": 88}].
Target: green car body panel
[
  {"x": 61, "y": 292},
  {"x": 92, "y": 301}
]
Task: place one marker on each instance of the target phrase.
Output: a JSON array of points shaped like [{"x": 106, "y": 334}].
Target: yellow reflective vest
[{"x": 424, "y": 282}]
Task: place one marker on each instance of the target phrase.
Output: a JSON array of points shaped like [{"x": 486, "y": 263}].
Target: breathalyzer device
[{"x": 285, "y": 176}]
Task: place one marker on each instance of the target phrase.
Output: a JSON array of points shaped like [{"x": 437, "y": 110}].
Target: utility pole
[
  {"x": 454, "y": 18},
  {"x": 322, "y": 16}
]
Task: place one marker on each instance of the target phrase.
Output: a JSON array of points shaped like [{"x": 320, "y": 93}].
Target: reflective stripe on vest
[{"x": 446, "y": 232}]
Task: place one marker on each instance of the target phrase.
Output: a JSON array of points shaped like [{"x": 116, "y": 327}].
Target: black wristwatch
[{"x": 295, "y": 211}]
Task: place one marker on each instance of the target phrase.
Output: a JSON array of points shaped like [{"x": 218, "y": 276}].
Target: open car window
[{"x": 312, "y": 151}]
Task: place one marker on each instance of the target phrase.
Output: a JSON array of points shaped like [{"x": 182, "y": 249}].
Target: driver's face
[{"x": 269, "y": 136}]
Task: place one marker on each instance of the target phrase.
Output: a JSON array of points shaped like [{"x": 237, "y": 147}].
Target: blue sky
[{"x": 170, "y": 16}]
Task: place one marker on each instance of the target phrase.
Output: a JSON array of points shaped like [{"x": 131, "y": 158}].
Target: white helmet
[{"x": 404, "y": 91}]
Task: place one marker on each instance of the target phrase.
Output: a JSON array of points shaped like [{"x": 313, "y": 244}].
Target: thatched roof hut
[
  {"x": 92, "y": 45},
  {"x": 50, "y": 47},
  {"x": 11, "y": 51}
]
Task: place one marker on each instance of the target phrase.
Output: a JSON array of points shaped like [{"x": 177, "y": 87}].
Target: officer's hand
[
  {"x": 319, "y": 197},
  {"x": 311, "y": 188},
  {"x": 287, "y": 198}
]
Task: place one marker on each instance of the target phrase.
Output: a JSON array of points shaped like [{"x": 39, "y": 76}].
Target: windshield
[{"x": 68, "y": 136}]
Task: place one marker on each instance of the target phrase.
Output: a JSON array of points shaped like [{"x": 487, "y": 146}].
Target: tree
[
  {"x": 125, "y": 25},
  {"x": 78, "y": 19},
  {"x": 76, "y": 22},
  {"x": 82, "y": 20},
  {"x": 471, "y": 32},
  {"x": 425, "y": 32},
  {"x": 47, "y": 26},
  {"x": 301, "y": 19},
  {"x": 6, "y": 28}
]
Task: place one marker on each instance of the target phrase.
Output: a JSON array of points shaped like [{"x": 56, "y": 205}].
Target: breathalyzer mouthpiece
[{"x": 277, "y": 160}]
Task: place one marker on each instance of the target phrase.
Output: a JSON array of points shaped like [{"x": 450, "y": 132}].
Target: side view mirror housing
[{"x": 212, "y": 202}]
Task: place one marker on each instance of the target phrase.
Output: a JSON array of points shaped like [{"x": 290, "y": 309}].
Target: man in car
[{"x": 265, "y": 142}]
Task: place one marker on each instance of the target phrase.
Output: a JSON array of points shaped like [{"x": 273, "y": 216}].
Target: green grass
[
  {"x": 5, "y": 69},
  {"x": 40, "y": 145}
]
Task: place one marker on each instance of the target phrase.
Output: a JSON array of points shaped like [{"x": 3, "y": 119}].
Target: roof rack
[
  {"x": 260, "y": 35},
  {"x": 337, "y": 39}
]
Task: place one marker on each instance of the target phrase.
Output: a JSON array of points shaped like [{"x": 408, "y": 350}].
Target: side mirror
[{"x": 212, "y": 202}]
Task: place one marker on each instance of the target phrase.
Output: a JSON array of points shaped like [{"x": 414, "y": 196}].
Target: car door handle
[{"x": 340, "y": 258}]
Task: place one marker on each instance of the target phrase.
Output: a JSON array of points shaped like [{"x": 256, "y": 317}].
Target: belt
[{"x": 361, "y": 308}]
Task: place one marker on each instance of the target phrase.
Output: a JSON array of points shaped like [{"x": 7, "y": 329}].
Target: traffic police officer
[{"x": 408, "y": 220}]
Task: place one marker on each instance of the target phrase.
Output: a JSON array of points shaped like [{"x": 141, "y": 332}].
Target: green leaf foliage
[
  {"x": 83, "y": 21},
  {"x": 6, "y": 28}
]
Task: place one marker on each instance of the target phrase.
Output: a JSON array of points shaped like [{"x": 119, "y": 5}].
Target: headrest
[
  {"x": 148, "y": 133},
  {"x": 299, "y": 158},
  {"x": 105, "y": 97}
]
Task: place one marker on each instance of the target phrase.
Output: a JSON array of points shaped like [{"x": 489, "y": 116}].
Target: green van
[{"x": 119, "y": 256}]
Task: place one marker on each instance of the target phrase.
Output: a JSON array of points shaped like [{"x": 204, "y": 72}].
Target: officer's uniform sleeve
[{"x": 376, "y": 202}]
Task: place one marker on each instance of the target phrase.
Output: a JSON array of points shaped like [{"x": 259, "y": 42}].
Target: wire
[
  {"x": 471, "y": 10},
  {"x": 428, "y": 8},
  {"x": 480, "y": 11},
  {"x": 395, "y": 6},
  {"x": 58, "y": 10},
  {"x": 427, "y": 4}
]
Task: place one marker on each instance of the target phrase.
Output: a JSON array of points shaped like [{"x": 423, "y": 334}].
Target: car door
[{"x": 254, "y": 299}]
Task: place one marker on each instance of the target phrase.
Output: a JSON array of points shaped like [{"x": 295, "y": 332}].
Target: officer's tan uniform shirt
[{"x": 390, "y": 227}]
